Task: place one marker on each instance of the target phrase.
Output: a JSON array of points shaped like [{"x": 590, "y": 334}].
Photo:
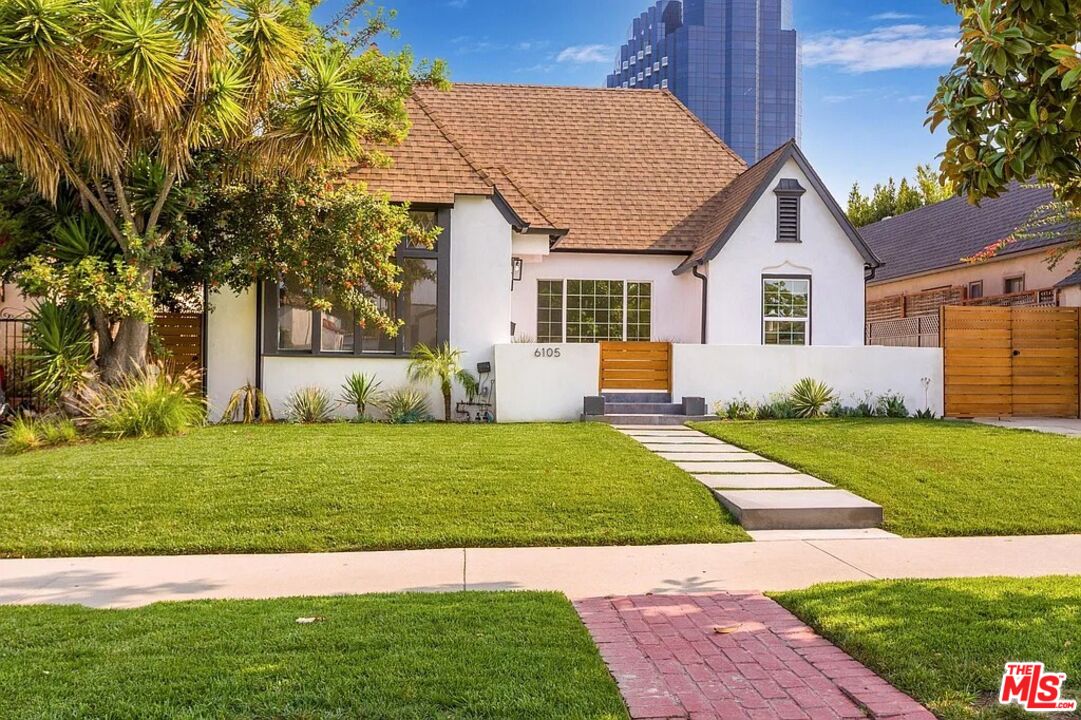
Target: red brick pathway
[{"x": 728, "y": 656}]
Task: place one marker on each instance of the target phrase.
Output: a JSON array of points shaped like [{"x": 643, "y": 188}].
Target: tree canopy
[
  {"x": 892, "y": 199},
  {"x": 136, "y": 118},
  {"x": 1010, "y": 102}
]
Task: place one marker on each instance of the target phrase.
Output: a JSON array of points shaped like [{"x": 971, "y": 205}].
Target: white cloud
[
  {"x": 586, "y": 54},
  {"x": 893, "y": 16},
  {"x": 835, "y": 99},
  {"x": 457, "y": 3},
  {"x": 885, "y": 48}
]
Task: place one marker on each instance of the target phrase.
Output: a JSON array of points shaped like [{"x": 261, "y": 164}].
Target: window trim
[
  {"x": 441, "y": 255},
  {"x": 1008, "y": 278},
  {"x": 563, "y": 314},
  {"x": 972, "y": 284},
  {"x": 762, "y": 305}
]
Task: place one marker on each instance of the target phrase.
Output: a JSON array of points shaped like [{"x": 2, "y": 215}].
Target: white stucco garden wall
[
  {"x": 825, "y": 253},
  {"x": 676, "y": 299},
  {"x": 536, "y": 383},
  {"x": 723, "y": 373},
  {"x": 230, "y": 347}
]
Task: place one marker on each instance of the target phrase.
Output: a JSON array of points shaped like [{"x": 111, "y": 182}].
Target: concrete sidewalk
[{"x": 577, "y": 572}]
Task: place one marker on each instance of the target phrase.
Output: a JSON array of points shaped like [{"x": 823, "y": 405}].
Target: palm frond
[{"x": 269, "y": 47}]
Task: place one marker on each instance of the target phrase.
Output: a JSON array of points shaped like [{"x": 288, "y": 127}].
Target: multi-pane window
[
  {"x": 786, "y": 310},
  {"x": 582, "y": 311},
  {"x": 336, "y": 331}
]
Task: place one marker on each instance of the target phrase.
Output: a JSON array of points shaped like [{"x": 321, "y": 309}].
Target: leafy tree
[
  {"x": 1010, "y": 102},
  {"x": 138, "y": 113},
  {"x": 892, "y": 199}
]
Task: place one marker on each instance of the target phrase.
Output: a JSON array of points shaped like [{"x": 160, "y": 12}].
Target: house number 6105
[{"x": 546, "y": 353}]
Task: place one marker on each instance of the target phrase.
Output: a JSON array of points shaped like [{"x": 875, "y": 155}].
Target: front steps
[{"x": 642, "y": 408}]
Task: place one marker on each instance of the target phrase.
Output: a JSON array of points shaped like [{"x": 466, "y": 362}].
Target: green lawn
[
  {"x": 945, "y": 641},
  {"x": 418, "y": 656},
  {"x": 933, "y": 477},
  {"x": 286, "y": 488}
]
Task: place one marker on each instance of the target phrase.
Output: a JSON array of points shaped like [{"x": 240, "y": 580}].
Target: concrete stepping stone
[
  {"x": 825, "y": 534},
  {"x": 714, "y": 456},
  {"x": 655, "y": 428},
  {"x": 800, "y": 509},
  {"x": 681, "y": 440},
  {"x": 693, "y": 447},
  {"x": 751, "y": 481},
  {"x": 741, "y": 467}
]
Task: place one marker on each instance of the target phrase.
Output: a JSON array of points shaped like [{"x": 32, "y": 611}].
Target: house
[
  {"x": 927, "y": 256},
  {"x": 559, "y": 233}
]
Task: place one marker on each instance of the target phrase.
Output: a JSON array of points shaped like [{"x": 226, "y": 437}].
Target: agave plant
[
  {"x": 406, "y": 405},
  {"x": 443, "y": 364},
  {"x": 309, "y": 404},
  {"x": 360, "y": 391},
  {"x": 249, "y": 405},
  {"x": 62, "y": 350},
  {"x": 810, "y": 398}
]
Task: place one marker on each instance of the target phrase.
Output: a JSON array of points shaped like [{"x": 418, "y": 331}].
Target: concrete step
[
  {"x": 642, "y": 408},
  {"x": 637, "y": 397},
  {"x": 800, "y": 509},
  {"x": 805, "y": 535},
  {"x": 750, "y": 481},
  {"x": 646, "y": 419}
]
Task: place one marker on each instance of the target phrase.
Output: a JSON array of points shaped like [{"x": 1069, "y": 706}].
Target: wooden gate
[
  {"x": 636, "y": 366},
  {"x": 181, "y": 336},
  {"x": 1011, "y": 361}
]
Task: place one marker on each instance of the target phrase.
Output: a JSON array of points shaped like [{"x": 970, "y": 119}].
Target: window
[
  {"x": 788, "y": 193},
  {"x": 292, "y": 327},
  {"x": 975, "y": 289},
  {"x": 786, "y": 310},
  {"x": 664, "y": 83},
  {"x": 1014, "y": 284},
  {"x": 583, "y": 311}
]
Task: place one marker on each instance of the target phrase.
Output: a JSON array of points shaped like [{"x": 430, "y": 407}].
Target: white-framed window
[
  {"x": 641, "y": 77},
  {"x": 664, "y": 83},
  {"x": 656, "y": 67},
  {"x": 786, "y": 310},
  {"x": 664, "y": 61},
  {"x": 649, "y": 71},
  {"x": 633, "y": 60},
  {"x": 641, "y": 54},
  {"x": 633, "y": 81},
  {"x": 624, "y": 64},
  {"x": 584, "y": 311},
  {"x": 626, "y": 84}
]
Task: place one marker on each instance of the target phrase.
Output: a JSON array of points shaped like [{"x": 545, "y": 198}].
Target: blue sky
[{"x": 870, "y": 66}]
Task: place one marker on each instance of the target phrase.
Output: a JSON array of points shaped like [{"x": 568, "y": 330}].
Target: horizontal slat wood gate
[
  {"x": 181, "y": 335},
  {"x": 1003, "y": 361},
  {"x": 636, "y": 366}
]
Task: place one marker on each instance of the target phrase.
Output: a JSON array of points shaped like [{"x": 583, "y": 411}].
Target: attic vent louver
[{"x": 788, "y": 193}]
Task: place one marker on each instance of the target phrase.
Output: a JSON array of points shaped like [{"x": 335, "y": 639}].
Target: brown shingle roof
[{"x": 618, "y": 169}]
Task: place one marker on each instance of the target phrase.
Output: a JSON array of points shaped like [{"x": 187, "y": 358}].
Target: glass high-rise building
[{"x": 734, "y": 63}]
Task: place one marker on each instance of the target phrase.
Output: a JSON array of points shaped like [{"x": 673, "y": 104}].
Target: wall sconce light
[{"x": 515, "y": 271}]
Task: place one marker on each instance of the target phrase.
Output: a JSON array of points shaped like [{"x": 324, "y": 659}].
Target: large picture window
[
  {"x": 422, "y": 305},
  {"x": 786, "y": 310},
  {"x": 584, "y": 311}
]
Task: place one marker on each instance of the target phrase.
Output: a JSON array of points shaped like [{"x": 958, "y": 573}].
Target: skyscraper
[{"x": 734, "y": 63}]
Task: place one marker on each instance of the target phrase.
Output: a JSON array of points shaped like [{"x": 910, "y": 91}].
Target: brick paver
[{"x": 732, "y": 657}]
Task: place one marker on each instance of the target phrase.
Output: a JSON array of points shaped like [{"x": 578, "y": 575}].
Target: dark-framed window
[
  {"x": 291, "y": 328},
  {"x": 1013, "y": 284},
  {"x": 786, "y": 309},
  {"x": 788, "y": 192},
  {"x": 975, "y": 289}
]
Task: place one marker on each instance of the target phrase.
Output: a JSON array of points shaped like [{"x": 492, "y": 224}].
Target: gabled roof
[
  {"x": 618, "y": 170},
  {"x": 730, "y": 207},
  {"x": 938, "y": 236}
]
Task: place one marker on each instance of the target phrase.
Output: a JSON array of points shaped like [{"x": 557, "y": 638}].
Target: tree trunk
[
  {"x": 446, "y": 406},
  {"x": 128, "y": 351}
]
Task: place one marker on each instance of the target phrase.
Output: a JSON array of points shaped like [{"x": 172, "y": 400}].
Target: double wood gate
[{"x": 1011, "y": 361}]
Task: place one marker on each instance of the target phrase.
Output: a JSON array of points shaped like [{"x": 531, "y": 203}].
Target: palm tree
[
  {"x": 443, "y": 363},
  {"x": 116, "y": 99}
]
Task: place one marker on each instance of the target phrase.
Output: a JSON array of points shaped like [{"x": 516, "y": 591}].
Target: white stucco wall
[
  {"x": 544, "y": 382},
  {"x": 825, "y": 253},
  {"x": 230, "y": 346},
  {"x": 723, "y": 373},
  {"x": 676, "y": 299}
]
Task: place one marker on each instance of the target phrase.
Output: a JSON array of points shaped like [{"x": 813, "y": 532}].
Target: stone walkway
[
  {"x": 771, "y": 500},
  {"x": 732, "y": 657}
]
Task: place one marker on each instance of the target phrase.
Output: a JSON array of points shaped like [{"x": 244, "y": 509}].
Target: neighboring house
[
  {"x": 734, "y": 63},
  {"x": 925, "y": 250},
  {"x": 558, "y": 229}
]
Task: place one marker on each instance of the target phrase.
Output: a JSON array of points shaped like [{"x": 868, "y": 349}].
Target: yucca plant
[
  {"x": 360, "y": 391},
  {"x": 444, "y": 365},
  {"x": 61, "y": 348},
  {"x": 248, "y": 404},
  {"x": 309, "y": 404},
  {"x": 810, "y": 398},
  {"x": 406, "y": 405},
  {"x": 148, "y": 403}
]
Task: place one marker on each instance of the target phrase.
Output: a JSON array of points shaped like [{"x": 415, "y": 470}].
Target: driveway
[{"x": 1070, "y": 427}]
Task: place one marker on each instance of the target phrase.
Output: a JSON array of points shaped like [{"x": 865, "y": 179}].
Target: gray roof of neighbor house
[{"x": 938, "y": 236}]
